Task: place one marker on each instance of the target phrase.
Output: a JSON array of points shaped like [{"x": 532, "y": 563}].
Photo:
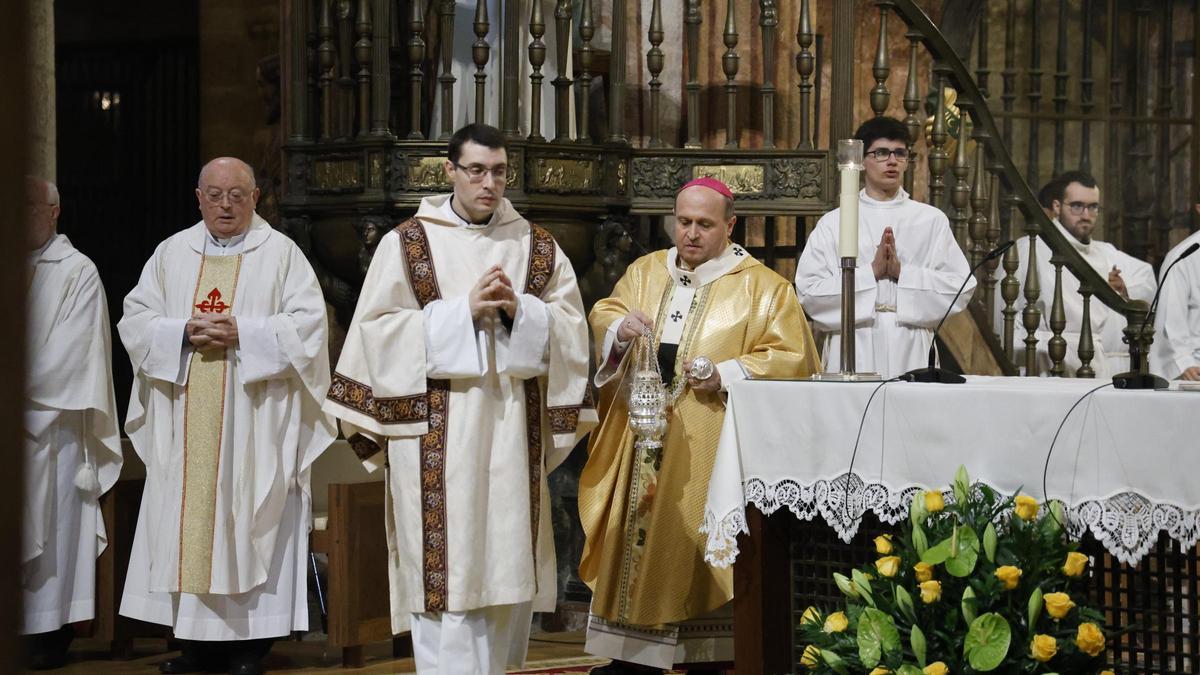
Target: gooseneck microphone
[
  {"x": 1136, "y": 379},
  {"x": 932, "y": 373}
]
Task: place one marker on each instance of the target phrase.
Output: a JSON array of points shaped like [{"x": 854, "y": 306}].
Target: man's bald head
[
  {"x": 227, "y": 195},
  {"x": 42, "y": 208}
]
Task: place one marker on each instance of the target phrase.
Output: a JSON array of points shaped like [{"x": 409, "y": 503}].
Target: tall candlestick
[{"x": 849, "y": 159}]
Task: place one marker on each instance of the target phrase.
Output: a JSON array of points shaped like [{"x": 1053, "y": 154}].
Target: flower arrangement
[{"x": 985, "y": 584}]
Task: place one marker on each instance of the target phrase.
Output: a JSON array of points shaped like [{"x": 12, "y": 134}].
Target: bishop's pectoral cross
[
  {"x": 213, "y": 303},
  {"x": 677, "y": 316}
]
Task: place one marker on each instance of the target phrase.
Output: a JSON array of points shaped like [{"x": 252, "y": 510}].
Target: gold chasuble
[
  {"x": 203, "y": 423},
  {"x": 644, "y": 554}
]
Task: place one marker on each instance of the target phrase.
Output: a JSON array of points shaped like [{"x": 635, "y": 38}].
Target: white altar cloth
[{"x": 1126, "y": 464}]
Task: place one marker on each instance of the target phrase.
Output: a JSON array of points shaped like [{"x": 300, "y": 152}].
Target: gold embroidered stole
[{"x": 203, "y": 422}]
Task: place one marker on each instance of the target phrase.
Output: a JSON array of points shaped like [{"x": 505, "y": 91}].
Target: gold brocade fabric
[
  {"x": 644, "y": 554},
  {"x": 203, "y": 421}
]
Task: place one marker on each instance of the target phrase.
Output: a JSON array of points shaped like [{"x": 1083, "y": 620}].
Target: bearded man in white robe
[
  {"x": 72, "y": 446},
  {"x": 1075, "y": 208},
  {"x": 1175, "y": 353},
  {"x": 226, "y": 331},
  {"x": 464, "y": 372},
  {"x": 909, "y": 265}
]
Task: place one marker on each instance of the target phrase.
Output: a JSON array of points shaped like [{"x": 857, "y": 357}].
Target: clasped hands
[
  {"x": 636, "y": 324},
  {"x": 886, "y": 264},
  {"x": 212, "y": 331},
  {"x": 493, "y": 292}
]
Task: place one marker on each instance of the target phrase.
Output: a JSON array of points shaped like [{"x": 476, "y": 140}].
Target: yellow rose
[
  {"x": 1075, "y": 565},
  {"x": 811, "y": 657},
  {"x": 883, "y": 544},
  {"x": 936, "y": 668},
  {"x": 880, "y": 670},
  {"x": 931, "y": 591},
  {"x": 810, "y": 615},
  {"x": 1107, "y": 672},
  {"x": 888, "y": 566},
  {"x": 1026, "y": 507},
  {"x": 934, "y": 501},
  {"x": 1090, "y": 639},
  {"x": 1057, "y": 604},
  {"x": 836, "y": 622},
  {"x": 1011, "y": 576},
  {"x": 924, "y": 572},
  {"x": 1043, "y": 648}
]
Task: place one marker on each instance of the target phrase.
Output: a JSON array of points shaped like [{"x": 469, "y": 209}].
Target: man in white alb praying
[
  {"x": 1175, "y": 353},
  {"x": 226, "y": 331},
  {"x": 464, "y": 373},
  {"x": 909, "y": 265},
  {"x": 72, "y": 445}
]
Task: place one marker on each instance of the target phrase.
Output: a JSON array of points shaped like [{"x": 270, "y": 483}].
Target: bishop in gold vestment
[{"x": 642, "y": 509}]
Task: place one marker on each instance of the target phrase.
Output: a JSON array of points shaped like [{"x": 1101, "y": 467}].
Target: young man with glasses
[
  {"x": 1076, "y": 208},
  {"x": 909, "y": 265},
  {"x": 464, "y": 372}
]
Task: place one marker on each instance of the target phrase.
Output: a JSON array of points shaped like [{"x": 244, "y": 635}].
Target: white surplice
[
  {"x": 1176, "y": 344},
  {"x": 273, "y": 431},
  {"x": 70, "y": 418},
  {"x": 1112, "y": 354},
  {"x": 893, "y": 320},
  {"x": 482, "y": 502}
]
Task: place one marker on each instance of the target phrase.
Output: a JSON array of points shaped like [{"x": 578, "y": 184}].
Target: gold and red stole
[{"x": 203, "y": 422}]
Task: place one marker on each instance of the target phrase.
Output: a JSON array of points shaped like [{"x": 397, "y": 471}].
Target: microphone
[
  {"x": 1135, "y": 378},
  {"x": 931, "y": 373}
]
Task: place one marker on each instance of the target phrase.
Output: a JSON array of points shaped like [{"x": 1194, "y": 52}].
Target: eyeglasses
[
  {"x": 882, "y": 154},
  {"x": 1077, "y": 208},
  {"x": 215, "y": 197},
  {"x": 476, "y": 172}
]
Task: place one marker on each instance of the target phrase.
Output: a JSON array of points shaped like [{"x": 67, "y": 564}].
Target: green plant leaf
[
  {"x": 1034, "y": 608},
  {"x": 863, "y": 585},
  {"x": 876, "y": 634},
  {"x": 845, "y": 585},
  {"x": 905, "y": 603},
  {"x": 834, "y": 661},
  {"x": 919, "y": 540},
  {"x": 962, "y": 485},
  {"x": 987, "y": 642},
  {"x": 962, "y": 560},
  {"x": 917, "y": 640},
  {"x": 908, "y": 669},
  {"x": 968, "y": 604},
  {"x": 916, "y": 508},
  {"x": 989, "y": 542},
  {"x": 938, "y": 553}
]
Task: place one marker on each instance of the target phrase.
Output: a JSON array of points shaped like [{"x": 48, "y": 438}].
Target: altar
[{"x": 1123, "y": 464}]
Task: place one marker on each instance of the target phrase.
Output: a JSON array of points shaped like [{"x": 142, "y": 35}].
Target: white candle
[{"x": 848, "y": 220}]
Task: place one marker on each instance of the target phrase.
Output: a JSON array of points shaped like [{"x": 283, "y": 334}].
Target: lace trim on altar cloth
[{"x": 1127, "y": 524}]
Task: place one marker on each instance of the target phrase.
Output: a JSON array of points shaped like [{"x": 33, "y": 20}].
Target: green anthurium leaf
[
  {"x": 962, "y": 485},
  {"x": 1034, "y": 608},
  {"x": 989, "y": 542},
  {"x": 917, "y": 640},
  {"x": 916, "y": 509},
  {"x": 834, "y": 661},
  {"x": 968, "y": 604},
  {"x": 987, "y": 642},
  {"x": 938, "y": 553},
  {"x": 908, "y": 669},
  {"x": 905, "y": 603},
  {"x": 845, "y": 585},
  {"x": 863, "y": 585},
  {"x": 965, "y": 554},
  {"x": 877, "y": 634},
  {"x": 919, "y": 541}
]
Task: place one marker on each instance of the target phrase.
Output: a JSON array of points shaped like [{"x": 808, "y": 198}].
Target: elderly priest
[
  {"x": 72, "y": 448},
  {"x": 711, "y": 315},
  {"x": 227, "y": 335}
]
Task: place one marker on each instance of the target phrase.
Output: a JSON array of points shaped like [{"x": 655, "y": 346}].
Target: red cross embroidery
[{"x": 213, "y": 303}]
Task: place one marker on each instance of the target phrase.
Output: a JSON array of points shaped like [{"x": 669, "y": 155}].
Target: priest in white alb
[
  {"x": 1175, "y": 353},
  {"x": 464, "y": 373},
  {"x": 72, "y": 446},
  {"x": 909, "y": 265},
  {"x": 226, "y": 331}
]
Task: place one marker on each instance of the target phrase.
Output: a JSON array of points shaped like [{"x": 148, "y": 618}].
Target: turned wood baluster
[
  {"x": 1061, "y": 75},
  {"x": 298, "y": 108},
  {"x": 729, "y": 64},
  {"x": 1087, "y": 349},
  {"x": 995, "y": 168},
  {"x": 961, "y": 191},
  {"x": 768, "y": 20},
  {"x": 938, "y": 157},
  {"x": 654, "y": 62},
  {"x": 1010, "y": 286},
  {"x": 1057, "y": 348},
  {"x": 562, "y": 83},
  {"x": 480, "y": 50},
  {"x": 979, "y": 200},
  {"x": 692, "y": 20},
  {"x": 1162, "y": 212},
  {"x": 880, "y": 96},
  {"x": 537, "y": 58},
  {"x": 1031, "y": 316},
  {"x": 1009, "y": 74},
  {"x": 982, "y": 72},
  {"x": 616, "y": 76},
  {"x": 1035, "y": 92},
  {"x": 446, "y": 78},
  {"x": 1086, "y": 97},
  {"x": 362, "y": 54},
  {"x": 326, "y": 58},
  {"x": 381, "y": 68},
  {"x": 912, "y": 103},
  {"x": 587, "y": 29},
  {"x": 416, "y": 54},
  {"x": 805, "y": 64}
]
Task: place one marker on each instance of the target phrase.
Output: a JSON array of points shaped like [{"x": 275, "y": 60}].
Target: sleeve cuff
[
  {"x": 613, "y": 354},
  {"x": 169, "y": 351},
  {"x": 523, "y": 353},
  {"x": 451, "y": 345},
  {"x": 258, "y": 353},
  {"x": 731, "y": 371}
]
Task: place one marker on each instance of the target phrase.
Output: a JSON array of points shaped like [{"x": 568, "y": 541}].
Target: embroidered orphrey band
[
  {"x": 433, "y": 498},
  {"x": 358, "y": 396}
]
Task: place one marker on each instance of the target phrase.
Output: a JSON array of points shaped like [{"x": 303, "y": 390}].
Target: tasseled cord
[{"x": 86, "y": 478}]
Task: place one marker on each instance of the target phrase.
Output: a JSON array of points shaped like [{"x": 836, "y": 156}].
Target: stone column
[{"x": 43, "y": 147}]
